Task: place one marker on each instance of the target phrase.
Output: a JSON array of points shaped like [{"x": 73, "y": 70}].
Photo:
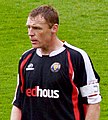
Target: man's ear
[{"x": 54, "y": 28}]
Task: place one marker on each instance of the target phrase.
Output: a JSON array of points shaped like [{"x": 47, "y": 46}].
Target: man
[{"x": 56, "y": 81}]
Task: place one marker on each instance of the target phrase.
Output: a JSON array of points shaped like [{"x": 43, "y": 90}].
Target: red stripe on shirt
[
  {"x": 21, "y": 71},
  {"x": 74, "y": 92}
]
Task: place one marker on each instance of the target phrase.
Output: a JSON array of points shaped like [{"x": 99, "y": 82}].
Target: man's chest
[{"x": 46, "y": 72}]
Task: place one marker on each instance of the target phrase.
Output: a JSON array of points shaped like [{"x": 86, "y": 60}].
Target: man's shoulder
[
  {"x": 28, "y": 52},
  {"x": 75, "y": 49}
]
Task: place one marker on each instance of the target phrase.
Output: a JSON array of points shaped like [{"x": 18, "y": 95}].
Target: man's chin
[{"x": 35, "y": 46}]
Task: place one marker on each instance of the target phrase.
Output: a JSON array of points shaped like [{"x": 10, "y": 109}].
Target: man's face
[{"x": 39, "y": 32}]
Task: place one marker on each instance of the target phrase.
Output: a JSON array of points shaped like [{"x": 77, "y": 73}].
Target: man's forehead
[{"x": 36, "y": 20}]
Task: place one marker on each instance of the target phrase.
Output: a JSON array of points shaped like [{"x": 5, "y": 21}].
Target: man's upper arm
[{"x": 16, "y": 113}]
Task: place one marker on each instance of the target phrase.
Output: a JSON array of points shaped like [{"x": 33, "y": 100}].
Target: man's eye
[
  {"x": 37, "y": 28},
  {"x": 28, "y": 26}
]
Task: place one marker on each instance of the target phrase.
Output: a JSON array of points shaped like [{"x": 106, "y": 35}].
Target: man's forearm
[
  {"x": 15, "y": 114},
  {"x": 93, "y": 112}
]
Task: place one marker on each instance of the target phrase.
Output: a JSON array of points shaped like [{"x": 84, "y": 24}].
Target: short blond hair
[{"x": 48, "y": 12}]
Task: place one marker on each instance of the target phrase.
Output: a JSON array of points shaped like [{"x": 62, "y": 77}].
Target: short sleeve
[
  {"x": 18, "y": 97},
  {"x": 89, "y": 87}
]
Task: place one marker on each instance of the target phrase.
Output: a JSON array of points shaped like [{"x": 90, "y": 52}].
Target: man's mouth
[{"x": 34, "y": 41}]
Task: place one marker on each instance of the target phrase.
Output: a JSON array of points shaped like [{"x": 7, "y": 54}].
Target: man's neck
[{"x": 57, "y": 44}]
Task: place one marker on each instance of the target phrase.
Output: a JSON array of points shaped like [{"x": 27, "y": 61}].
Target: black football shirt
[{"x": 52, "y": 87}]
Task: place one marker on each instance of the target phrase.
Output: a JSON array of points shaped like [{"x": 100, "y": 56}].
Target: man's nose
[{"x": 30, "y": 32}]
